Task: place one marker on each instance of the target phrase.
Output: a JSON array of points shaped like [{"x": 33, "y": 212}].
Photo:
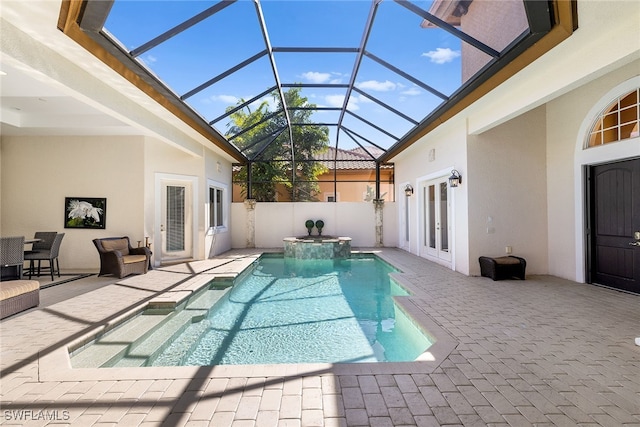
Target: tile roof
[{"x": 355, "y": 158}]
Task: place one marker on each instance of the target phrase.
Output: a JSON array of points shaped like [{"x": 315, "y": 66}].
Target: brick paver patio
[{"x": 544, "y": 351}]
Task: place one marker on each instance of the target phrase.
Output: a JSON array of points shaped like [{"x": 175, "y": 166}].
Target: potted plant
[
  {"x": 319, "y": 225},
  {"x": 309, "y": 224}
]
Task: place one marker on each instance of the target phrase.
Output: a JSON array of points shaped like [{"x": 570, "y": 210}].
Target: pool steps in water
[
  {"x": 115, "y": 341},
  {"x": 146, "y": 350},
  {"x": 141, "y": 339}
]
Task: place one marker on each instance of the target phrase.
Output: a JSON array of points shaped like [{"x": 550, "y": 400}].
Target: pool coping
[{"x": 56, "y": 365}]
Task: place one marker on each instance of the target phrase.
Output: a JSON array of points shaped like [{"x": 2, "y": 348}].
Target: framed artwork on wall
[{"x": 85, "y": 212}]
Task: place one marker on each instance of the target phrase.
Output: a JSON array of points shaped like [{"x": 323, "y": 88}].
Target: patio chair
[
  {"x": 119, "y": 258},
  {"x": 11, "y": 257},
  {"x": 43, "y": 242},
  {"x": 50, "y": 255}
]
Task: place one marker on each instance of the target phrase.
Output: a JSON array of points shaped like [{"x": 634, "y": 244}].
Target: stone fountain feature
[{"x": 318, "y": 246}]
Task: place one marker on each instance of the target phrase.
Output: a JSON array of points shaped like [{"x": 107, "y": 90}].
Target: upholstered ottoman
[
  {"x": 506, "y": 267},
  {"x": 18, "y": 295}
]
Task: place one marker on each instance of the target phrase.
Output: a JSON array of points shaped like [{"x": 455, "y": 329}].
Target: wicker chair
[
  {"x": 50, "y": 255},
  {"x": 42, "y": 246},
  {"x": 119, "y": 258},
  {"x": 11, "y": 257}
]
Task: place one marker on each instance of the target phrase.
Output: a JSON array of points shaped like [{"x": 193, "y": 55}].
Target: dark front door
[{"x": 615, "y": 225}]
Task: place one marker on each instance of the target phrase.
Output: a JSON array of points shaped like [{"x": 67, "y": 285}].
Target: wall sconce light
[
  {"x": 408, "y": 190},
  {"x": 455, "y": 179}
]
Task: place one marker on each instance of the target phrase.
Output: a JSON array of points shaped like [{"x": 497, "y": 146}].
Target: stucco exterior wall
[
  {"x": 507, "y": 192},
  {"x": 480, "y": 21},
  {"x": 566, "y": 116},
  {"x": 39, "y": 172},
  {"x": 602, "y": 43},
  {"x": 208, "y": 167},
  {"x": 217, "y": 173},
  {"x": 434, "y": 156},
  {"x": 521, "y": 138}
]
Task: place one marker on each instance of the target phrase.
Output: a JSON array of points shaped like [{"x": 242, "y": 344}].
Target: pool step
[
  {"x": 145, "y": 350},
  {"x": 116, "y": 341},
  {"x": 142, "y": 352},
  {"x": 177, "y": 352}
]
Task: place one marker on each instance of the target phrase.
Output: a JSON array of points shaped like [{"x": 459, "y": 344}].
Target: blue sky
[{"x": 232, "y": 35}]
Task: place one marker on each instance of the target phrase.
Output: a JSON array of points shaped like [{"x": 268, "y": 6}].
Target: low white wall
[{"x": 275, "y": 221}]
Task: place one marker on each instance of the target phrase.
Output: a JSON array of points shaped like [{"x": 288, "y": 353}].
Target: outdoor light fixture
[
  {"x": 455, "y": 179},
  {"x": 408, "y": 190}
]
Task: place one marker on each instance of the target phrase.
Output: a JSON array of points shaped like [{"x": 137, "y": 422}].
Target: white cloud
[
  {"x": 442, "y": 56},
  {"x": 338, "y": 100},
  {"x": 352, "y": 105},
  {"x": 375, "y": 85},
  {"x": 227, "y": 99},
  {"x": 362, "y": 99},
  {"x": 411, "y": 91},
  {"x": 316, "y": 77},
  {"x": 334, "y": 100},
  {"x": 337, "y": 77}
]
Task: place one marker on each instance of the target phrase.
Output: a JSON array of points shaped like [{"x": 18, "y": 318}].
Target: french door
[
  {"x": 435, "y": 218},
  {"x": 614, "y": 255},
  {"x": 176, "y": 220}
]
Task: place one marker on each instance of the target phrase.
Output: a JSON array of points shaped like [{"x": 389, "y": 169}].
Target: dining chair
[
  {"x": 12, "y": 254},
  {"x": 43, "y": 242},
  {"x": 50, "y": 255}
]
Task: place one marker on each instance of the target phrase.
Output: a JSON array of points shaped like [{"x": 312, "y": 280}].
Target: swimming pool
[{"x": 281, "y": 311}]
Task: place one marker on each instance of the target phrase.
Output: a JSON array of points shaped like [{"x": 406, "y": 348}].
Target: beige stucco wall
[
  {"x": 165, "y": 160},
  {"x": 521, "y": 138},
  {"x": 481, "y": 21},
  {"x": 603, "y": 42},
  {"x": 39, "y": 172},
  {"x": 507, "y": 192},
  {"x": 566, "y": 118},
  {"x": 435, "y": 156}
]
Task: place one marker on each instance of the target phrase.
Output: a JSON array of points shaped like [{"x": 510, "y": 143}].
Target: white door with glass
[
  {"x": 176, "y": 220},
  {"x": 435, "y": 218}
]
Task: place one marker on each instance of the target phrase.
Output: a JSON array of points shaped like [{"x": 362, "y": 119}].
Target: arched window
[{"x": 618, "y": 121}]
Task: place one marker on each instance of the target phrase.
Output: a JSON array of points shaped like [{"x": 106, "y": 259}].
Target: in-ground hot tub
[{"x": 317, "y": 247}]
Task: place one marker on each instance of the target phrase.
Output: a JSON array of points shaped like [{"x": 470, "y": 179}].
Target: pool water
[{"x": 298, "y": 311}]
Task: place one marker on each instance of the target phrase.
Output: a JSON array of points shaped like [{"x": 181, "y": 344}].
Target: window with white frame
[{"x": 216, "y": 207}]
